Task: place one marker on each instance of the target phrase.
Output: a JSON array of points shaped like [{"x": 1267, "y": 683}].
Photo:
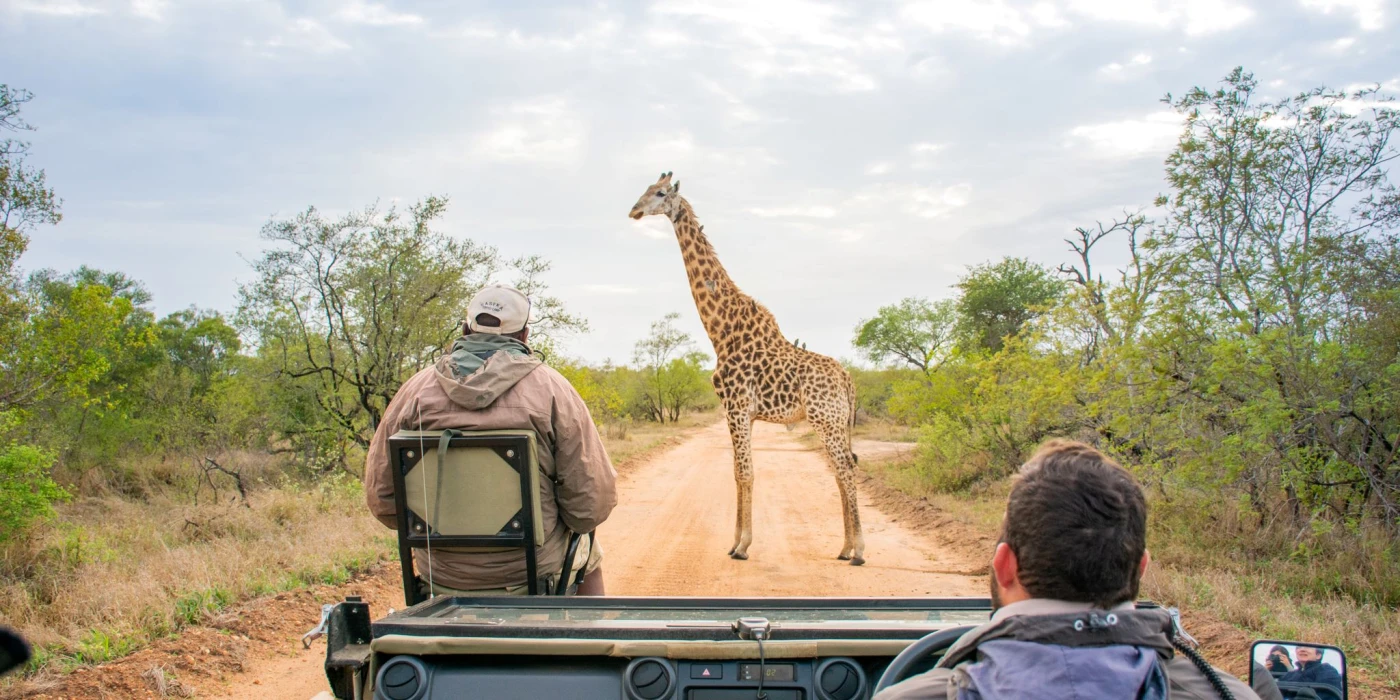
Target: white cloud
[
  {"x": 989, "y": 20},
  {"x": 656, "y": 227},
  {"x": 1047, "y": 15},
  {"x": 1130, "y": 138},
  {"x": 814, "y": 44},
  {"x": 926, "y": 148},
  {"x": 1195, "y": 17},
  {"x": 302, "y": 34},
  {"x": 1119, "y": 70},
  {"x": 1370, "y": 14},
  {"x": 150, "y": 9},
  {"x": 914, "y": 200},
  {"x": 56, "y": 8},
  {"x": 817, "y": 212},
  {"x": 538, "y": 131},
  {"x": 739, "y": 111},
  {"x": 879, "y": 169},
  {"x": 681, "y": 154},
  {"x": 375, "y": 14},
  {"x": 1342, "y": 45},
  {"x": 610, "y": 289}
]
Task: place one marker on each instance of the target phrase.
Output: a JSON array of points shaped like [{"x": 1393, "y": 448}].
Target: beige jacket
[
  {"x": 509, "y": 392},
  {"x": 1051, "y": 622}
]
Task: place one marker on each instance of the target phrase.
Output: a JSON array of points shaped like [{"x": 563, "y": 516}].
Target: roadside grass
[
  {"x": 629, "y": 441},
  {"x": 112, "y": 574},
  {"x": 1198, "y": 566},
  {"x": 155, "y": 552}
]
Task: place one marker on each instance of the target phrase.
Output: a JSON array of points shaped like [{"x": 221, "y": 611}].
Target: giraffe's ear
[{"x": 676, "y": 187}]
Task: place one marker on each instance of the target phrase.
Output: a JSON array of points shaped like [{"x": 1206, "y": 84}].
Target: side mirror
[
  {"x": 14, "y": 652},
  {"x": 1299, "y": 670}
]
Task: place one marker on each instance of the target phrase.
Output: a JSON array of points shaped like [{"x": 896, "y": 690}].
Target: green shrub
[{"x": 27, "y": 493}]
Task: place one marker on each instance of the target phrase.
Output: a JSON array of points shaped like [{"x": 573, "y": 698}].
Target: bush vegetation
[
  {"x": 155, "y": 469},
  {"x": 1244, "y": 360}
]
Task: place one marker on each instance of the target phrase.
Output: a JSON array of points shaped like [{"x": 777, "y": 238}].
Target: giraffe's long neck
[{"x": 717, "y": 298}]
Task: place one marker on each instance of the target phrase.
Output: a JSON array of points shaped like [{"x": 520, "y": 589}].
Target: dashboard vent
[
  {"x": 840, "y": 679},
  {"x": 403, "y": 678},
  {"x": 650, "y": 679}
]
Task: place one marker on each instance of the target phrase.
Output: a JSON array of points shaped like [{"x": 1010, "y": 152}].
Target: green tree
[
  {"x": 915, "y": 331},
  {"x": 26, "y": 200},
  {"x": 27, "y": 492},
  {"x": 344, "y": 311},
  {"x": 999, "y": 299},
  {"x": 672, "y": 373}
]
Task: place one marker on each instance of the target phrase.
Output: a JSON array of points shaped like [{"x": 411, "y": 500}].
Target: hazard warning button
[{"x": 706, "y": 671}]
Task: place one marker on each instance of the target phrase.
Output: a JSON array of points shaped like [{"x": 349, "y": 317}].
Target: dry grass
[
  {"x": 139, "y": 559},
  {"x": 630, "y": 441},
  {"x": 112, "y": 574}
]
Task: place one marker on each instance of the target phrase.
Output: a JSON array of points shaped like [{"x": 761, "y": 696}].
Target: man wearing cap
[{"x": 490, "y": 381}]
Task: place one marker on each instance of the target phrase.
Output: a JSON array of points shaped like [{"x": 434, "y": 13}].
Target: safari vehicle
[{"x": 481, "y": 490}]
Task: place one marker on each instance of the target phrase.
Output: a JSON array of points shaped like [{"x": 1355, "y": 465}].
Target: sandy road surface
[
  {"x": 669, "y": 536},
  {"x": 674, "y": 526}
]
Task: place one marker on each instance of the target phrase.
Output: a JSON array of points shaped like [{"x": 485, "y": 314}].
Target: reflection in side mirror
[
  {"x": 13, "y": 651},
  {"x": 1298, "y": 671}
]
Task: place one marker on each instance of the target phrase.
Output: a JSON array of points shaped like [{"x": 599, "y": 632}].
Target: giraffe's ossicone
[{"x": 759, "y": 374}]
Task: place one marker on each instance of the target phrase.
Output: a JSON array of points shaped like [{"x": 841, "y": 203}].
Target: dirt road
[
  {"x": 669, "y": 536},
  {"x": 674, "y": 525}
]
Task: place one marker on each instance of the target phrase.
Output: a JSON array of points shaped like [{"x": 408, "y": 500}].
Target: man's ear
[
  {"x": 1146, "y": 560},
  {"x": 1005, "y": 567}
]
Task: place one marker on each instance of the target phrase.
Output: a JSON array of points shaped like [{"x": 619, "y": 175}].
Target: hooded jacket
[
  {"x": 492, "y": 383},
  {"x": 1035, "y": 649}
]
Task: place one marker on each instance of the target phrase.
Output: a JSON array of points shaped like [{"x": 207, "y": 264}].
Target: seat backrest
[{"x": 480, "y": 491}]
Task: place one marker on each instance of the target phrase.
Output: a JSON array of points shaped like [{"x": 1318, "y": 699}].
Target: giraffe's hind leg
[{"x": 837, "y": 441}]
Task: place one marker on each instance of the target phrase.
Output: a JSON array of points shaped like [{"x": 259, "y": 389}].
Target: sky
[{"x": 842, "y": 155}]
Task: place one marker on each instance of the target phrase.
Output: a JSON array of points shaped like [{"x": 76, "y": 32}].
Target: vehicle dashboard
[{"x": 651, "y": 648}]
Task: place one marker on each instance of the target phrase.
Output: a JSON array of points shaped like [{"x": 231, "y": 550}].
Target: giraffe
[{"x": 759, "y": 374}]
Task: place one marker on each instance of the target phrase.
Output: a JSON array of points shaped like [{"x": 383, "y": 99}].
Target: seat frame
[{"x": 406, "y": 450}]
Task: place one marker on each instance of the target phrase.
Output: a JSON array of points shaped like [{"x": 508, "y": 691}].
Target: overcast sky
[{"x": 841, "y": 155}]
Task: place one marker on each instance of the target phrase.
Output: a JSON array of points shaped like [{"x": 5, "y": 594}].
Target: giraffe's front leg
[{"x": 740, "y": 431}]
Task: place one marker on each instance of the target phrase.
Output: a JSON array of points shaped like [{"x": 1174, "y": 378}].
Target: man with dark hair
[
  {"x": 1311, "y": 669},
  {"x": 1065, "y": 577},
  {"x": 490, "y": 381}
]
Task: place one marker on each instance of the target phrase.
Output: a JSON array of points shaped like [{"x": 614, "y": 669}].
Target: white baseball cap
[{"x": 505, "y": 303}]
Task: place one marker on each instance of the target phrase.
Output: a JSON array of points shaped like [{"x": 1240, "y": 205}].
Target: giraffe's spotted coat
[{"x": 759, "y": 375}]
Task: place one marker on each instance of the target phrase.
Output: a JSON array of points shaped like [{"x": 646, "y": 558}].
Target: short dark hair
[
  {"x": 1077, "y": 522},
  {"x": 489, "y": 321}
]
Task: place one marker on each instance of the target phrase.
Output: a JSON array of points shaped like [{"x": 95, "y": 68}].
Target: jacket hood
[
  {"x": 1011, "y": 670},
  {"x": 481, "y": 368},
  {"x": 1087, "y": 654}
]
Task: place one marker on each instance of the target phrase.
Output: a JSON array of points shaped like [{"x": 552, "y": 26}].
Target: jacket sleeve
[
  {"x": 1264, "y": 684},
  {"x": 379, "y": 481},
  {"x": 586, "y": 483}
]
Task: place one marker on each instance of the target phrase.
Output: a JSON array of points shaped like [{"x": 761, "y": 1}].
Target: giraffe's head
[{"x": 660, "y": 198}]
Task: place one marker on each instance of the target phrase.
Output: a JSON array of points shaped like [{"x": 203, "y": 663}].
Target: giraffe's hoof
[
  {"x": 857, "y": 561},
  {"x": 738, "y": 555},
  {"x": 844, "y": 557}
]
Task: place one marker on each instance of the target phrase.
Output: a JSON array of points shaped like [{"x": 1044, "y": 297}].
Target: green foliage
[
  {"x": 672, "y": 375},
  {"x": 27, "y": 492},
  {"x": 193, "y": 607},
  {"x": 1245, "y": 361},
  {"x": 344, "y": 311},
  {"x": 25, "y": 198},
  {"x": 998, "y": 299},
  {"x": 915, "y": 331}
]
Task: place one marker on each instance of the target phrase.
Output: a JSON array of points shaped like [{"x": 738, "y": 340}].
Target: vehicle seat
[{"x": 474, "y": 491}]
